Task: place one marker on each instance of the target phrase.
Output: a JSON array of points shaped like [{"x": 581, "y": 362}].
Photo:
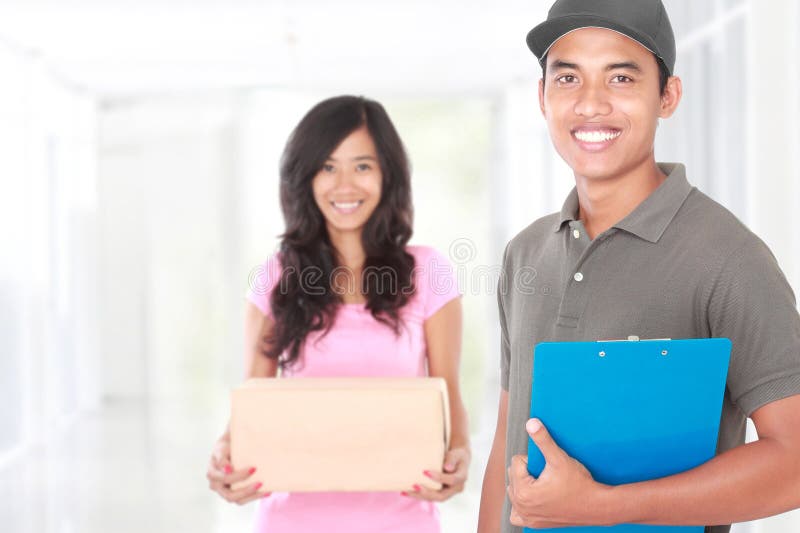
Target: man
[{"x": 636, "y": 250}]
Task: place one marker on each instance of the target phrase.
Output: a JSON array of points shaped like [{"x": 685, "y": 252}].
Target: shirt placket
[{"x": 581, "y": 254}]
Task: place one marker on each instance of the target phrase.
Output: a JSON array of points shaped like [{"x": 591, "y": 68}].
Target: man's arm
[
  {"x": 751, "y": 481},
  {"x": 494, "y": 493},
  {"x": 748, "y": 482}
]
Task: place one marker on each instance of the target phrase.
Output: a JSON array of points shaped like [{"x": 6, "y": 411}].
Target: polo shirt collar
[
  {"x": 569, "y": 211},
  {"x": 651, "y": 217}
]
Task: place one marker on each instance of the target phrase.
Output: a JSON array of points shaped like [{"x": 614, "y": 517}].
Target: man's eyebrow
[
  {"x": 559, "y": 64},
  {"x": 629, "y": 65}
]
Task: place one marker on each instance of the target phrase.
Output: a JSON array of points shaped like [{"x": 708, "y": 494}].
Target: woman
[{"x": 346, "y": 296}]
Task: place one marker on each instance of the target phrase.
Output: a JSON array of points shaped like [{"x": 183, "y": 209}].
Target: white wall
[
  {"x": 165, "y": 170},
  {"x": 48, "y": 348}
]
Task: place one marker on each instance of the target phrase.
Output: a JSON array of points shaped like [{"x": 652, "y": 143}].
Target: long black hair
[{"x": 304, "y": 301}]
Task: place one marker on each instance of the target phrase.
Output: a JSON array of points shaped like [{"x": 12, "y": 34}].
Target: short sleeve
[
  {"x": 505, "y": 347},
  {"x": 753, "y": 305},
  {"x": 436, "y": 281},
  {"x": 261, "y": 282}
]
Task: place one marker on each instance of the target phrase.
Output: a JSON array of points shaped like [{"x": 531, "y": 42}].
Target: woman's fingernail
[
  {"x": 258, "y": 485},
  {"x": 404, "y": 493},
  {"x": 267, "y": 494},
  {"x": 448, "y": 467},
  {"x": 416, "y": 488},
  {"x": 228, "y": 469},
  {"x": 252, "y": 470},
  {"x": 427, "y": 473}
]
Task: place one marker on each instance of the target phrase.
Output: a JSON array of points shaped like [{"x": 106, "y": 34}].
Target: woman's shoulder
[
  {"x": 262, "y": 280},
  {"x": 424, "y": 254},
  {"x": 436, "y": 280}
]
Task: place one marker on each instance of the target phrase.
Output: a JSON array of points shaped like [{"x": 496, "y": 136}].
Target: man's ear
[
  {"x": 541, "y": 96},
  {"x": 671, "y": 97}
]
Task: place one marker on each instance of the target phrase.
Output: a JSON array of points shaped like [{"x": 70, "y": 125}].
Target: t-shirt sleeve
[
  {"x": 261, "y": 282},
  {"x": 438, "y": 283},
  {"x": 505, "y": 347},
  {"x": 753, "y": 305}
]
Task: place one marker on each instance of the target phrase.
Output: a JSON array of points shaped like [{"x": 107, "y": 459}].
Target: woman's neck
[
  {"x": 350, "y": 254},
  {"x": 348, "y": 249}
]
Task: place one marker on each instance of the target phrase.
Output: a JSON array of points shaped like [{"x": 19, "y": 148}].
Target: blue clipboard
[{"x": 630, "y": 410}]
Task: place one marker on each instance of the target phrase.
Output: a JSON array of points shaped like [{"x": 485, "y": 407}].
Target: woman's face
[{"x": 348, "y": 187}]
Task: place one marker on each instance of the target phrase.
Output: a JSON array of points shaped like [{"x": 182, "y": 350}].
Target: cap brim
[{"x": 541, "y": 38}]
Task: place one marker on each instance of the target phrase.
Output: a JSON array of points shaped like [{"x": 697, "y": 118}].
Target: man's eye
[
  {"x": 621, "y": 79},
  {"x": 567, "y": 78}
]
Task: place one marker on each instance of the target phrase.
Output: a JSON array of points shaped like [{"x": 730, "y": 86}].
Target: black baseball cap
[{"x": 644, "y": 21}]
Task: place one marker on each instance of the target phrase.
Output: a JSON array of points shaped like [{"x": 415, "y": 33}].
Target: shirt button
[
  {"x": 578, "y": 276},
  {"x": 576, "y": 234}
]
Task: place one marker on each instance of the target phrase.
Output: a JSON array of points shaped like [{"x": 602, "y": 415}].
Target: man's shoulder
[
  {"x": 709, "y": 226},
  {"x": 533, "y": 235}
]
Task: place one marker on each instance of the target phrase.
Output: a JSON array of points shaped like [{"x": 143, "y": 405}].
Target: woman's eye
[
  {"x": 328, "y": 168},
  {"x": 363, "y": 167}
]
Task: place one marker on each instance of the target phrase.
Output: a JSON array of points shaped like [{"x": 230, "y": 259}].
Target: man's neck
[{"x": 604, "y": 202}]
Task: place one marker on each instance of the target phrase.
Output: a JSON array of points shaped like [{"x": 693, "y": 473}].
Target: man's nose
[{"x": 592, "y": 101}]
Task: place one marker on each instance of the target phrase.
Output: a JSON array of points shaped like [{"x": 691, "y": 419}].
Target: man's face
[{"x": 602, "y": 101}]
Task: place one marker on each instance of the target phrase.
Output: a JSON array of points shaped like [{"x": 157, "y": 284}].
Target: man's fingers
[
  {"x": 552, "y": 453},
  {"x": 518, "y": 471},
  {"x": 515, "y": 519}
]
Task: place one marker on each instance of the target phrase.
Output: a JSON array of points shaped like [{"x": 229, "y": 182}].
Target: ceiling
[{"x": 124, "y": 48}]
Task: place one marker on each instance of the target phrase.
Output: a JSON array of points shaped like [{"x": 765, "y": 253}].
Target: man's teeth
[
  {"x": 346, "y": 205},
  {"x": 596, "y": 136}
]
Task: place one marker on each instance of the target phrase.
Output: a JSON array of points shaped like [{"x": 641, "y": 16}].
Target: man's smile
[{"x": 595, "y": 138}]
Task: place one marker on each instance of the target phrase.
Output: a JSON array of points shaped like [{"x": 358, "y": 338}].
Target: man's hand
[{"x": 564, "y": 494}]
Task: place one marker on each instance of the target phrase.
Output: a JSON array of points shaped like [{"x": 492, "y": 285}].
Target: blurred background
[{"x": 139, "y": 145}]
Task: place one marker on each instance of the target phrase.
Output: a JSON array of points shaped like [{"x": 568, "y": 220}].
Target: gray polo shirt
[{"x": 679, "y": 266}]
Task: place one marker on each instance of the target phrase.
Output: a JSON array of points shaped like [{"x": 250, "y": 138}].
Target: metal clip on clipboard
[{"x": 633, "y": 338}]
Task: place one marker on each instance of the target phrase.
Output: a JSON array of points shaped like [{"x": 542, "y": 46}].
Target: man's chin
[{"x": 596, "y": 172}]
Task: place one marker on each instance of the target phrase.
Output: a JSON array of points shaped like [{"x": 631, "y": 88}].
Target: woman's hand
[
  {"x": 453, "y": 477},
  {"x": 221, "y": 475}
]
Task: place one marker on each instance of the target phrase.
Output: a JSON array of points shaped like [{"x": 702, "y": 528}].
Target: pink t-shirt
[{"x": 358, "y": 345}]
